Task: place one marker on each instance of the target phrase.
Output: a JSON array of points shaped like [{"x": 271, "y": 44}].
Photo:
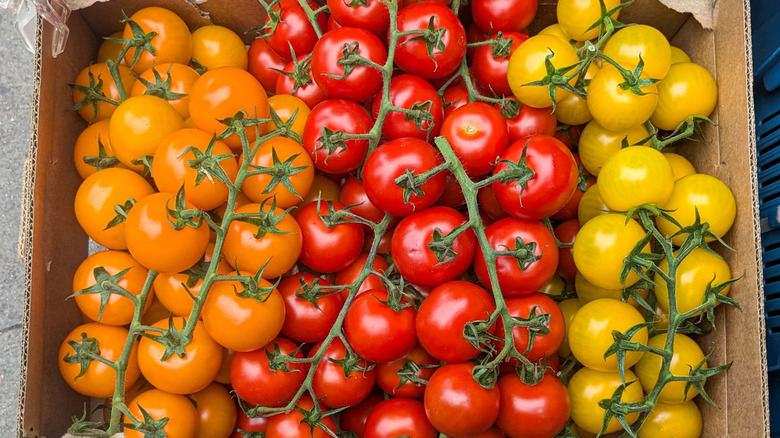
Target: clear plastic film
[{"x": 55, "y": 12}]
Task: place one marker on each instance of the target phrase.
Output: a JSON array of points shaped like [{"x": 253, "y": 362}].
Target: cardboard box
[{"x": 52, "y": 244}]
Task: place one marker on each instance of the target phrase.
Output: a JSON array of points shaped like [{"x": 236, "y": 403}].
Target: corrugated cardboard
[{"x": 52, "y": 244}]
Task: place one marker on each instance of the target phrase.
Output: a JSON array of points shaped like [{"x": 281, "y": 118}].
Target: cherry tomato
[
  {"x": 454, "y": 97},
  {"x": 675, "y": 91},
  {"x": 100, "y": 110},
  {"x": 591, "y": 205},
  {"x": 371, "y": 15},
  {"x": 396, "y": 417},
  {"x": 349, "y": 274},
  {"x": 291, "y": 30},
  {"x": 452, "y": 196},
  {"x": 111, "y": 49},
  {"x": 573, "y": 110},
  {"x": 686, "y": 355},
  {"x": 502, "y": 15},
  {"x": 337, "y": 386},
  {"x": 616, "y": 108},
  {"x": 245, "y": 425},
  {"x": 587, "y": 292},
  {"x": 420, "y": 254},
  {"x": 284, "y": 162},
  {"x": 217, "y": 46},
  {"x": 292, "y": 424},
  {"x": 414, "y": 94},
  {"x": 330, "y": 153},
  {"x": 530, "y": 122},
  {"x": 182, "y": 79},
  {"x": 172, "y": 41},
  {"x": 490, "y": 63},
  {"x": 96, "y": 379},
  {"x": 575, "y": 17},
  {"x": 354, "y": 193},
  {"x": 308, "y": 321},
  {"x": 632, "y": 43},
  {"x": 527, "y": 65},
  {"x": 323, "y": 188},
  {"x": 376, "y": 331},
  {"x": 635, "y": 176},
  {"x": 597, "y": 144},
  {"x": 533, "y": 411},
  {"x": 395, "y": 159},
  {"x": 87, "y": 156},
  {"x": 181, "y": 416},
  {"x": 216, "y": 411},
  {"x": 185, "y": 374},
  {"x": 264, "y": 63},
  {"x": 588, "y": 387},
  {"x": 456, "y": 404},
  {"x": 296, "y": 79},
  {"x": 486, "y": 198},
  {"x": 585, "y": 180},
  {"x": 257, "y": 382},
  {"x": 682, "y": 420},
  {"x": 393, "y": 377},
  {"x": 544, "y": 345},
  {"x": 440, "y": 58},
  {"x": 478, "y": 134},
  {"x": 680, "y": 165},
  {"x": 286, "y": 107},
  {"x": 697, "y": 270},
  {"x": 679, "y": 55},
  {"x": 328, "y": 247},
  {"x": 569, "y": 308},
  {"x": 353, "y": 419}
]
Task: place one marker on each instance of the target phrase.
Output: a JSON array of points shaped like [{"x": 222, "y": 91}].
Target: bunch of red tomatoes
[{"x": 377, "y": 222}]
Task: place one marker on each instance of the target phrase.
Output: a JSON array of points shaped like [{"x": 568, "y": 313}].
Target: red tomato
[
  {"x": 412, "y": 54},
  {"x": 307, "y": 321},
  {"x": 486, "y": 197},
  {"x": 489, "y": 69},
  {"x": 538, "y": 411},
  {"x": 422, "y": 257},
  {"x": 585, "y": 180},
  {"x": 478, "y": 134},
  {"x": 349, "y": 274},
  {"x": 264, "y": 63},
  {"x": 345, "y": 81},
  {"x": 389, "y": 380},
  {"x": 336, "y": 386},
  {"x": 545, "y": 346},
  {"x": 503, "y": 15},
  {"x": 246, "y": 425},
  {"x": 456, "y": 404},
  {"x": 292, "y": 30},
  {"x": 532, "y": 266},
  {"x": 551, "y": 184},
  {"x": 455, "y": 96},
  {"x": 375, "y": 331},
  {"x": 320, "y": 136},
  {"x": 296, "y": 79},
  {"x": 569, "y": 136},
  {"x": 474, "y": 35},
  {"x": 415, "y": 94},
  {"x": 256, "y": 382},
  {"x": 328, "y": 248},
  {"x": 293, "y": 425},
  {"x": 354, "y": 193},
  {"x": 392, "y": 160},
  {"x": 397, "y": 417},
  {"x": 371, "y": 15},
  {"x": 333, "y": 24},
  {"x": 565, "y": 233},
  {"x": 353, "y": 419},
  {"x": 453, "y": 193},
  {"x": 531, "y": 121},
  {"x": 443, "y": 315}
]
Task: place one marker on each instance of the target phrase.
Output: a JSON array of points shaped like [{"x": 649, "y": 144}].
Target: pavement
[{"x": 16, "y": 68}]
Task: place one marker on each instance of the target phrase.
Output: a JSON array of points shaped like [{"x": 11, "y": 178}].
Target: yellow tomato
[
  {"x": 678, "y": 55},
  {"x": 628, "y": 44},
  {"x": 687, "y": 90},
  {"x": 588, "y": 387},
  {"x": 576, "y": 16},
  {"x": 686, "y": 355},
  {"x": 694, "y": 273},
  {"x": 680, "y": 165},
  {"x": 591, "y": 205},
  {"x": 587, "y": 292},
  {"x": 635, "y": 176},
  {"x": 217, "y": 46},
  {"x": 285, "y": 105},
  {"x": 598, "y": 143},
  {"x": 568, "y": 308},
  {"x": 616, "y": 108},
  {"x": 671, "y": 419},
  {"x": 527, "y": 65}
]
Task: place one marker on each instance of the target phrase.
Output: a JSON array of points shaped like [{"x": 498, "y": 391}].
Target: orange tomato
[
  {"x": 110, "y": 49},
  {"x": 182, "y": 417},
  {"x": 182, "y": 78},
  {"x": 286, "y": 161},
  {"x": 99, "y": 110},
  {"x": 86, "y": 153},
  {"x": 216, "y": 410},
  {"x": 217, "y": 46},
  {"x": 285, "y": 105},
  {"x": 172, "y": 42}
]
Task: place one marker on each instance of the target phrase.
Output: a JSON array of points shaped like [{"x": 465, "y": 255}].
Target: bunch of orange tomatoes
[{"x": 391, "y": 218}]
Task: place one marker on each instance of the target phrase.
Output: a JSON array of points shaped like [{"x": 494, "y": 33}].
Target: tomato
[
  {"x": 686, "y": 356},
  {"x": 488, "y": 203},
  {"x": 349, "y": 274},
  {"x": 551, "y": 183},
  {"x": 264, "y": 63},
  {"x": 371, "y": 15},
  {"x": 590, "y": 333},
  {"x": 353, "y": 419},
  {"x": 217, "y": 46},
  {"x": 576, "y": 17},
  {"x": 490, "y": 70},
  {"x": 478, "y": 135},
  {"x": 116, "y": 310},
  {"x": 544, "y": 345},
  {"x": 353, "y": 193},
  {"x": 619, "y": 109},
  {"x": 569, "y": 308},
  {"x": 588, "y": 387},
  {"x": 224, "y": 368},
  {"x": 246, "y": 425},
  {"x": 565, "y": 233},
  {"x": 97, "y": 197},
  {"x": 675, "y": 91},
  {"x": 375, "y": 331},
  {"x": 694, "y": 273},
  {"x": 395, "y": 159},
  {"x": 389, "y": 379},
  {"x": 601, "y": 246},
  {"x": 585, "y": 180},
  {"x": 396, "y": 417},
  {"x": 216, "y": 410},
  {"x": 323, "y": 188},
  {"x": 153, "y": 240},
  {"x": 292, "y": 424},
  {"x": 308, "y": 321},
  {"x": 336, "y": 386},
  {"x": 87, "y": 156},
  {"x": 175, "y": 165},
  {"x": 573, "y": 110},
  {"x": 138, "y": 125},
  {"x": 417, "y": 247},
  {"x": 415, "y": 94},
  {"x": 502, "y": 15},
  {"x": 257, "y": 381},
  {"x": 292, "y": 30},
  {"x": 180, "y": 415},
  {"x": 185, "y": 374},
  {"x": 456, "y": 404},
  {"x": 680, "y": 165},
  {"x": 248, "y": 247},
  {"x": 597, "y": 144},
  {"x": 412, "y": 55},
  {"x": 296, "y": 79},
  {"x": 534, "y": 262},
  {"x": 286, "y": 106},
  {"x": 587, "y": 292},
  {"x": 454, "y": 97},
  {"x": 569, "y": 135},
  {"x": 527, "y": 65},
  {"x": 683, "y": 420},
  {"x": 328, "y": 247},
  {"x": 100, "y": 110},
  {"x": 223, "y": 92},
  {"x": 352, "y": 82},
  {"x": 284, "y": 163},
  {"x": 591, "y": 205},
  {"x": 679, "y": 55},
  {"x": 632, "y": 43},
  {"x": 155, "y": 311},
  {"x": 111, "y": 49},
  {"x": 98, "y": 379},
  {"x": 635, "y": 176},
  {"x": 538, "y": 411},
  {"x": 330, "y": 153},
  {"x": 182, "y": 79},
  {"x": 706, "y": 194},
  {"x": 172, "y": 41},
  {"x": 530, "y": 122},
  {"x": 243, "y": 323},
  {"x": 443, "y": 315}
]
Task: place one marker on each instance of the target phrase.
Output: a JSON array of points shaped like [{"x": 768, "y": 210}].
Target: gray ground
[{"x": 15, "y": 99}]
